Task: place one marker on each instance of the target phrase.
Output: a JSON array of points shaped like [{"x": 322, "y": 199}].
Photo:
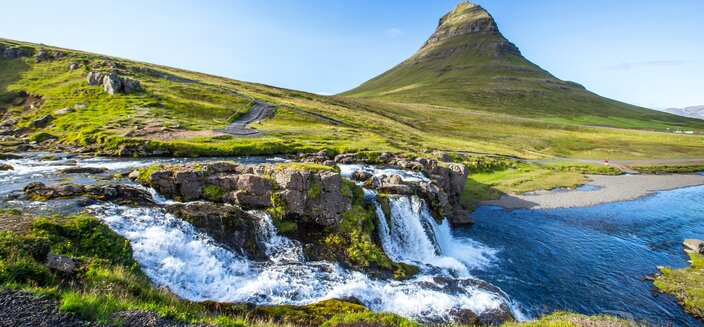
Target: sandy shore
[{"x": 610, "y": 189}]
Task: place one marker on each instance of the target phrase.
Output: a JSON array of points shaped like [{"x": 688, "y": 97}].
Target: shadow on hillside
[{"x": 10, "y": 72}]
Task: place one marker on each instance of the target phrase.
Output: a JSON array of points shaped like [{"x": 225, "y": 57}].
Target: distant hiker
[{"x": 606, "y": 161}]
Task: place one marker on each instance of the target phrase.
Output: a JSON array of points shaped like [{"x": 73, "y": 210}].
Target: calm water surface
[{"x": 591, "y": 260}]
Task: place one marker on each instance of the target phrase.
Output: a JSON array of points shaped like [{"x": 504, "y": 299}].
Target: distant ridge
[
  {"x": 692, "y": 112},
  {"x": 468, "y": 63}
]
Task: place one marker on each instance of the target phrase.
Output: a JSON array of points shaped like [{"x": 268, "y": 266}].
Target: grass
[
  {"x": 566, "y": 319},
  {"x": 668, "y": 169},
  {"x": 686, "y": 285},
  {"x": 491, "y": 178},
  {"x": 303, "y": 122}
]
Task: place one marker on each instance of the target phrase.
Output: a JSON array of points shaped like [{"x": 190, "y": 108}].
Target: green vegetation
[
  {"x": 482, "y": 71},
  {"x": 305, "y": 166},
  {"x": 213, "y": 192},
  {"x": 108, "y": 280},
  {"x": 687, "y": 285},
  {"x": 493, "y": 177},
  {"x": 565, "y": 319},
  {"x": 668, "y": 169},
  {"x": 178, "y": 111}
]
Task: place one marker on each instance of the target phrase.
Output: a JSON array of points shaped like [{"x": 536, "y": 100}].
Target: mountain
[
  {"x": 692, "y": 112},
  {"x": 467, "y": 63},
  {"x": 72, "y": 101}
]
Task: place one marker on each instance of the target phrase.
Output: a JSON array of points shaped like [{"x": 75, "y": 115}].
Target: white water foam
[
  {"x": 406, "y": 175},
  {"x": 173, "y": 253},
  {"x": 415, "y": 237}
]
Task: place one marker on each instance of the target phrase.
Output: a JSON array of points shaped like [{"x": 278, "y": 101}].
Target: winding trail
[{"x": 258, "y": 111}]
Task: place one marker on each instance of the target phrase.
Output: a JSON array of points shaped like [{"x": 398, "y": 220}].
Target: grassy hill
[
  {"x": 467, "y": 63},
  {"x": 179, "y": 110}
]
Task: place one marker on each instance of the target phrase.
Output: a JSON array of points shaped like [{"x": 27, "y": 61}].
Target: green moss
[
  {"x": 313, "y": 314},
  {"x": 369, "y": 319},
  {"x": 314, "y": 190},
  {"x": 41, "y": 137},
  {"x": 566, "y": 319},
  {"x": 213, "y": 192},
  {"x": 145, "y": 173},
  {"x": 305, "y": 166},
  {"x": 687, "y": 285}
]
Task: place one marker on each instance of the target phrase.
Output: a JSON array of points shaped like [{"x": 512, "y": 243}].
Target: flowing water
[
  {"x": 587, "y": 260},
  {"x": 591, "y": 260}
]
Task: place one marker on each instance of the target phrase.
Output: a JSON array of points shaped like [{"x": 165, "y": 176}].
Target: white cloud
[{"x": 394, "y": 32}]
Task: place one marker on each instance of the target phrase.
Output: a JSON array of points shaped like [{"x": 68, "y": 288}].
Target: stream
[{"x": 529, "y": 262}]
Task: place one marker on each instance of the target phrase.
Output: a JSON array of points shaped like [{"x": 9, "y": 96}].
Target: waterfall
[
  {"x": 174, "y": 254},
  {"x": 415, "y": 237}
]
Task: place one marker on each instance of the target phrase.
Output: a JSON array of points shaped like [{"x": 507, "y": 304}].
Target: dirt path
[{"x": 258, "y": 111}]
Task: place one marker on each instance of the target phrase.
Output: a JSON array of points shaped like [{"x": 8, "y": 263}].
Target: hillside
[
  {"x": 468, "y": 64},
  {"x": 178, "y": 112}
]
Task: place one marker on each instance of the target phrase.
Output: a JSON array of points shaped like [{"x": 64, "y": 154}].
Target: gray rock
[
  {"x": 190, "y": 184},
  {"x": 42, "y": 55},
  {"x": 73, "y": 66},
  {"x": 295, "y": 201},
  {"x": 113, "y": 84},
  {"x": 292, "y": 179},
  {"x": 694, "y": 246},
  {"x": 84, "y": 170},
  {"x": 79, "y": 105},
  {"x": 41, "y": 122},
  {"x": 61, "y": 263},
  {"x": 361, "y": 176},
  {"x": 9, "y": 122},
  {"x": 254, "y": 184},
  {"x": 248, "y": 200},
  {"x": 442, "y": 156},
  {"x": 119, "y": 193},
  {"x": 4, "y": 167},
  {"x": 458, "y": 177},
  {"x": 130, "y": 85},
  {"x": 63, "y": 111},
  {"x": 95, "y": 78}
]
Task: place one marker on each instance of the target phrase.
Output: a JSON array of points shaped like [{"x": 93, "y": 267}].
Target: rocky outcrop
[
  {"x": 112, "y": 83},
  {"x": 84, "y": 170},
  {"x": 228, "y": 225},
  {"x": 63, "y": 111},
  {"x": 119, "y": 193},
  {"x": 317, "y": 196},
  {"x": 16, "y": 52}
]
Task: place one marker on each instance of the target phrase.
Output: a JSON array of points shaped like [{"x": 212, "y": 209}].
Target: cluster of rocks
[
  {"x": 15, "y": 52},
  {"x": 119, "y": 193},
  {"x": 442, "y": 193},
  {"x": 46, "y": 55},
  {"x": 318, "y": 196},
  {"x": 113, "y": 83},
  {"x": 139, "y": 149}
]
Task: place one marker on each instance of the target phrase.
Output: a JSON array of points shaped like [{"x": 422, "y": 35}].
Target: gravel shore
[{"x": 608, "y": 189}]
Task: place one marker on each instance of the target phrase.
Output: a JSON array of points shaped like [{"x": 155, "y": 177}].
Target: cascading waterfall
[
  {"x": 174, "y": 254},
  {"x": 415, "y": 237}
]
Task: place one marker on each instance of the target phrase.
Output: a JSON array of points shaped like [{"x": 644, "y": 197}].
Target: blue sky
[{"x": 646, "y": 52}]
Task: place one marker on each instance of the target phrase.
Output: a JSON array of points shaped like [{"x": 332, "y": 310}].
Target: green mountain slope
[
  {"x": 179, "y": 112},
  {"x": 467, "y": 63}
]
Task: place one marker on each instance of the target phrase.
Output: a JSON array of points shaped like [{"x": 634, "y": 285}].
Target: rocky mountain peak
[{"x": 466, "y": 18}]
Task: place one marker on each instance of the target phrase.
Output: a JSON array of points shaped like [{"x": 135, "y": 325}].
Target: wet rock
[
  {"x": 84, "y": 170},
  {"x": 361, "y": 176},
  {"x": 190, "y": 184},
  {"x": 61, "y": 263},
  {"x": 694, "y": 246},
  {"x": 4, "y": 167},
  {"x": 229, "y": 225},
  {"x": 464, "y": 317},
  {"x": 119, "y": 193},
  {"x": 41, "y": 122},
  {"x": 64, "y": 111}
]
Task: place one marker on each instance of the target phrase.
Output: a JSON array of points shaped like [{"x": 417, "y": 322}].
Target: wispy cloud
[
  {"x": 394, "y": 32},
  {"x": 655, "y": 63}
]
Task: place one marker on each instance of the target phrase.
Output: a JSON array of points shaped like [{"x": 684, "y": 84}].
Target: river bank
[{"x": 600, "y": 189}]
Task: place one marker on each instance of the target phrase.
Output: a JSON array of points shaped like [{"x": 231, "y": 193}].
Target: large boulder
[
  {"x": 113, "y": 84},
  {"x": 326, "y": 204},
  {"x": 119, "y": 193},
  {"x": 228, "y": 225}
]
